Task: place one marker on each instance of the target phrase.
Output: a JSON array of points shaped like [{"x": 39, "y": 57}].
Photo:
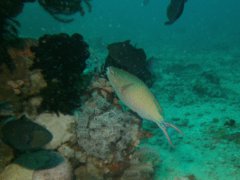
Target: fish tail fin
[{"x": 163, "y": 126}]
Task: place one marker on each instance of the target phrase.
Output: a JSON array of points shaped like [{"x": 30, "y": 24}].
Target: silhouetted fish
[
  {"x": 174, "y": 10},
  {"x": 38, "y": 160},
  {"x": 23, "y": 134}
]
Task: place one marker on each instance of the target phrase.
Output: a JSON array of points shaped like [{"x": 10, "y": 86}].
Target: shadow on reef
[
  {"x": 61, "y": 59},
  {"x": 129, "y": 58}
]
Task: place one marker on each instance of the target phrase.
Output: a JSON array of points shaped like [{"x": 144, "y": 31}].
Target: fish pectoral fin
[{"x": 125, "y": 87}]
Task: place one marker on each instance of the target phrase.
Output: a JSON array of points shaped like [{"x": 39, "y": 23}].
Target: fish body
[
  {"x": 25, "y": 135},
  {"x": 136, "y": 95},
  {"x": 174, "y": 10}
]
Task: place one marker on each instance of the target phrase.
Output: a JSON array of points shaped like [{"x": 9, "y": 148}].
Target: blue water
[
  {"x": 207, "y": 34},
  {"x": 202, "y": 24}
]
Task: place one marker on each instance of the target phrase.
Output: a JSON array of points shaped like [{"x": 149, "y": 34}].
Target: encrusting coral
[{"x": 106, "y": 132}]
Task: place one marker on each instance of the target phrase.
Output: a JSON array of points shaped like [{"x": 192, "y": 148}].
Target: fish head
[{"x": 116, "y": 76}]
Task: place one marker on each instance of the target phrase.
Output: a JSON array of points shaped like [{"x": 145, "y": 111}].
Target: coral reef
[
  {"x": 142, "y": 164},
  {"x": 138, "y": 171},
  {"x": 106, "y": 132},
  {"x": 64, "y": 7},
  {"x": 101, "y": 146},
  {"x": 129, "y": 58},
  {"x": 61, "y": 172},
  {"x": 8, "y": 27},
  {"x": 16, "y": 172},
  {"x": 20, "y": 84},
  {"x": 107, "y": 135},
  {"x": 42, "y": 87},
  {"x": 62, "y": 127},
  {"x": 61, "y": 68}
]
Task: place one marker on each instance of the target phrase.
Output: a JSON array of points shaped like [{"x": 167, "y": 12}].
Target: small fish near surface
[
  {"x": 136, "y": 95},
  {"x": 174, "y": 10}
]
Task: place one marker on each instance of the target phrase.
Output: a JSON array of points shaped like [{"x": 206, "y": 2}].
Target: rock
[
  {"x": 16, "y": 172},
  {"x": 146, "y": 154},
  {"x": 6, "y": 155},
  {"x": 61, "y": 127},
  {"x": 60, "y": 172},
  {"x": 83, "y": 173},
  {"x": 81, "y": 156},
  {"x": 139, "y": 171},
  {"x": 67, "y": 151},
  {"x": 230, "y": 123},
  {"x": 37, "y": 82}
]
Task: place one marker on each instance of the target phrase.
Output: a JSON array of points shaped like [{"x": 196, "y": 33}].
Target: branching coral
[{"x": 61, "y": 58}]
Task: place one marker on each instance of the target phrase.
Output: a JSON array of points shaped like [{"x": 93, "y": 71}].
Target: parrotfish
[
  {"x": 137, "y": 96},
  {"x": 174, "y": 10}
]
